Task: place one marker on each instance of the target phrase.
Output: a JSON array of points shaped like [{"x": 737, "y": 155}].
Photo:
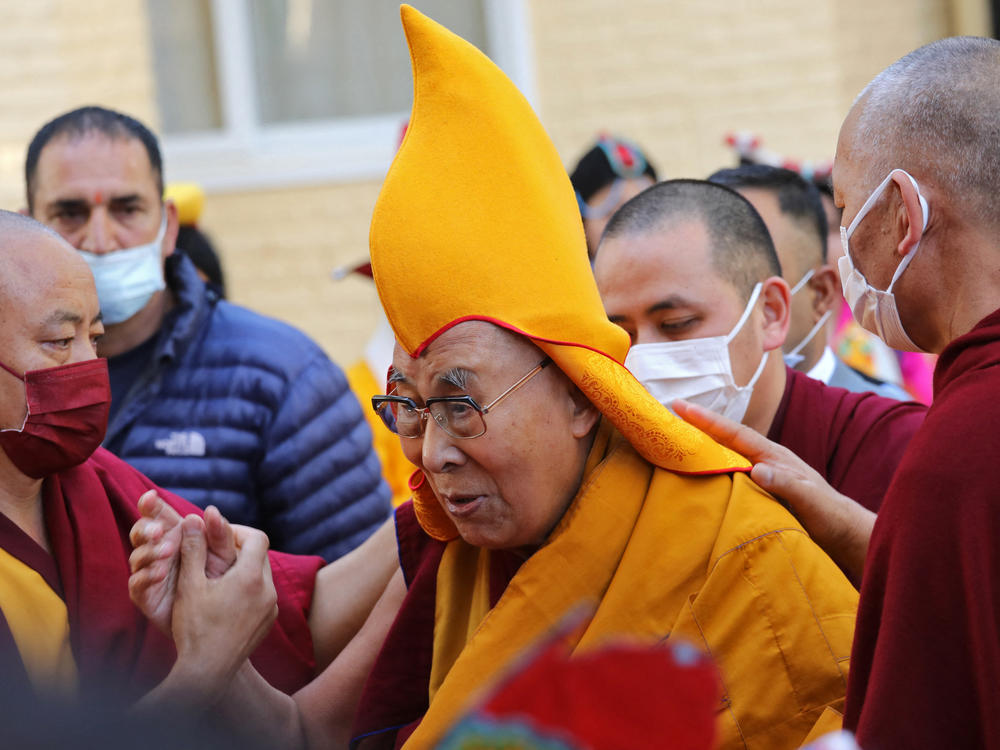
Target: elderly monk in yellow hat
[{"x": 547, "y": 475}]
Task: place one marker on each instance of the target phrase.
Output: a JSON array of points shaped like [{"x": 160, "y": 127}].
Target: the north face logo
[{"x": 182, "y": 444}]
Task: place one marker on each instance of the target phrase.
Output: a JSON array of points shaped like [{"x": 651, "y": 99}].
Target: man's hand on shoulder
[{"x": 836, "y": 523}]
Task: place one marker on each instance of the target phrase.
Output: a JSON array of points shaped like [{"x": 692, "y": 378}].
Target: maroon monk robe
[
  {"x": 89, "y": 511},
  {"x": 854, "y": 440},
  {"x": 925, "y": 668}
]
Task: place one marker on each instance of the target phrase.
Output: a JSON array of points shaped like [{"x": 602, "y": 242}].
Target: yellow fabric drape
[
  {"x": 710, "y": 559},
  {"x": 38, "y": 620}
]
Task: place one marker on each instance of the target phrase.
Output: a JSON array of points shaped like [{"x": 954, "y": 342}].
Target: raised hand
[
  {"x": 217, "y": 622},
  {"x": 836, "y": 523},
  {"x": 155, "y": 561}
]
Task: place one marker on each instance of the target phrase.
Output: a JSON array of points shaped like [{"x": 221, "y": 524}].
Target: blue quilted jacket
[{"x": 248, "y": 414}]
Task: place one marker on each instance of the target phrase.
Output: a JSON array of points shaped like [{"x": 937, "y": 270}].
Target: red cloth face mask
[{"x": 66, "y": 420}]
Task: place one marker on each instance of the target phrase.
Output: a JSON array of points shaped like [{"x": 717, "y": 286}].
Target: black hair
[
  {"x": 595, "y": 171},
  {"x": 198, "y": 247},
  {"x": 742, "y": 250},
  {"x": 798, "y": 198},
  {"x": 86, "y": 120}
]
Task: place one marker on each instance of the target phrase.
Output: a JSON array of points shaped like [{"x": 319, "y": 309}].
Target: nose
[
  {"x": 439, "y": 452},
  {"x": 98, "y": 234}
]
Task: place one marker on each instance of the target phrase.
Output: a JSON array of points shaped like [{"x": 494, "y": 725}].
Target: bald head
[
  {"x": 742, "y": 252},
  {"x": 33, "y": 256},
  {"x": 936, "y": 113},
  {"x": 41, "y": 277}
]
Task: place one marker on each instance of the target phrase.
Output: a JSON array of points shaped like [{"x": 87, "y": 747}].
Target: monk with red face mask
[{"x": 66, "y": 505}]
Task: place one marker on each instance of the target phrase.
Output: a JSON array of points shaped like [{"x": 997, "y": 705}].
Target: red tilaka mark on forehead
[{"x": 98, "y": 198}]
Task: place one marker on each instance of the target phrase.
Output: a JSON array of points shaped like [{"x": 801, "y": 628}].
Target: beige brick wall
[{"x": 675, "y": 76}]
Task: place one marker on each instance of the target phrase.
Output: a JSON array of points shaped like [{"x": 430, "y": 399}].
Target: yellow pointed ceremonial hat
[{"x": 477, "y": 220}]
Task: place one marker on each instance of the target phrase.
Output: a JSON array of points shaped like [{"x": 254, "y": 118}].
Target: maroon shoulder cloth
[
  {"x": 925, "y": 668},
  {"x": 855, "y": 440},
  {"x": 89, "y": 511},
  {"x": 395, "y": 697}
]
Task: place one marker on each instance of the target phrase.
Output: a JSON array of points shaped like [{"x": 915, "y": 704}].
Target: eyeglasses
[{"x": 459, "y": 416}]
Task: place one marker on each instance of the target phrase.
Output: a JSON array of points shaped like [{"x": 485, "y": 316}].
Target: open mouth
[{"x": 462, "y": 505}]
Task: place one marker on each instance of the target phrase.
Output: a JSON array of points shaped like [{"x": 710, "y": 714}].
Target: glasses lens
[
  {"x": 400, "y": 418},
  {"x": 458, "y": 418}
]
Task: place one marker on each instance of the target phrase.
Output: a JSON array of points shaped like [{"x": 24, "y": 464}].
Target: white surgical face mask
[
  {"x": 794, "y": 357},
  {"x": 127, "y": 279},
  {"x": 697, "y": 370},
  {"x": 874, "y": 309}
]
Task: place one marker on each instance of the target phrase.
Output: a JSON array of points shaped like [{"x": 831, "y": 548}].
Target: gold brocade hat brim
[{"x": 477, "y": 220}]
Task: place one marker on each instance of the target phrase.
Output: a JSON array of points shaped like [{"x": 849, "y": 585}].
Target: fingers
[
  {"x": 253, "y": 545},
  {"x": 193, "y": 551},
  {"x": 220, "y": 536},
  {"x": 151, "y": 505},
  {"x": 145, "y": 531},
  {"x": 735, "y": 436},
  {"x": 243, "y": 533}
]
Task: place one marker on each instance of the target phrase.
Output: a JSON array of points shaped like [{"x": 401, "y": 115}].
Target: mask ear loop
[
  {"x": 746, "y": 312},
  {"x": 802, "y": 282},
  {"x": 754, "y": 296},
  {"x": 27, "y": 406},
  {"x": 809, "y": 336},
  {"x": 926, "y": 212}
]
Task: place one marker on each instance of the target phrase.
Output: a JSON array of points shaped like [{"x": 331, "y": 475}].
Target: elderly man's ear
[
  {"x": 585, "y": 415},
  {"x": 776, "y": 297},
  {"x": 824, "y": 290}
]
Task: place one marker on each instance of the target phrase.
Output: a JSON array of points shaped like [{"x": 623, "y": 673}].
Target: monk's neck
[
  {"x": 21, "y": 502},
  {"x": 767, "y": 393}
]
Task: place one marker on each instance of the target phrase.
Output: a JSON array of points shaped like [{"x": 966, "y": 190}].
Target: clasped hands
[{"x": 204, "y": 582}]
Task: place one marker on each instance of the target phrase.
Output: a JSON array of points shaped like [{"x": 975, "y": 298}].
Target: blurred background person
[
  {"x": 793, "y": 212},
  {"x": 909, "y": 372},
  {"x": 610, "y": 173},
  {"x": 189, "y": 199}
]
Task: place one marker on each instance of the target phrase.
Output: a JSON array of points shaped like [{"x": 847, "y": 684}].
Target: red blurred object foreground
[{"x": 618, "y": 696}]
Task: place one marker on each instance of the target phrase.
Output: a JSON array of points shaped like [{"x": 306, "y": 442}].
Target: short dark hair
[
  {"x": 742, "y": 250},
  {"x": 86, "y": 120},
  {"x": 934, "y": 113},
  {"x": 798, "y": 198}
]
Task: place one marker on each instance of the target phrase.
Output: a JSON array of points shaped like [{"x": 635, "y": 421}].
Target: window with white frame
[{"x": 263, "y": 93}]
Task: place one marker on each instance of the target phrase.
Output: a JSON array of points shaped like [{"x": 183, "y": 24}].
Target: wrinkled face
[
  {"x": 509, "y": 487},
  {"x": 794, "y": 242},
  {"x": 48, "y": 317},
  {"x": 661, "y": 286},
  {"x": 99, "y": 193},
  {"x": 626, "y": 190}
]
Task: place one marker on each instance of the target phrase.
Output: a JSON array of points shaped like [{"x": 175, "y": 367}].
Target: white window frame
[{"x": 245, "y": 154}]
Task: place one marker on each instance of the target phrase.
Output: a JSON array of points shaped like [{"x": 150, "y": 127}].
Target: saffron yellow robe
[{"x": 711, "y": 559}]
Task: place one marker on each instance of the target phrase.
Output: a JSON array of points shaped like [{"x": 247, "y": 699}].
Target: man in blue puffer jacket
[{"x": 210, "y": 400}]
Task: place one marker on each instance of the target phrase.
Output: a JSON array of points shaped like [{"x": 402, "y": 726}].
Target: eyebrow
[
  {"x": 65, "y": 316},
  {"x": 395, "y": 376},
  {"x": 672, "y": 302},
  {"x": 119, "y": 201},
  {"x": 457, "y": 377}
]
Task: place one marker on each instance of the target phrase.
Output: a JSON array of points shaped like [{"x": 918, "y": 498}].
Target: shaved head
[
  {"x": 30, "y": 251},
  {"x": 742, "y": 250},
  {"x": 936, "y": 113}
]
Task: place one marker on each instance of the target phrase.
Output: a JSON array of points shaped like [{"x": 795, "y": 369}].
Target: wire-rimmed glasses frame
[{"x": 446, "y": 411}]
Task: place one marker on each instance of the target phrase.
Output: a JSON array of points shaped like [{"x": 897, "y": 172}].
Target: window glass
[{"x": 184, "y": 65}]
